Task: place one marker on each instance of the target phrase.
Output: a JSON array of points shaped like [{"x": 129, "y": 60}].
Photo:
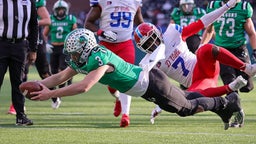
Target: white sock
[
  {"x": 158, "y": 109},
  {"x": 125, "y": 103}
]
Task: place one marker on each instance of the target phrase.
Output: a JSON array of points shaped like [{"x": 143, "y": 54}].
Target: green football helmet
[{"x": 79, "y": 43}]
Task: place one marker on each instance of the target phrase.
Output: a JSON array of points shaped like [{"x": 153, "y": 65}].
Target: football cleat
[
  {"x": 56, "y": 104},
  {"x": 250, "y": 69},
  {"x": 232, "y": 107},
  {"x": 11, "y": 110},
  {"x": 155, "y": 112},
  {"x": 23, "y": 121},
  {"x": 238, "y": 83},
  {"x": 125, "y": 121},
  {"x": 239, "y": 119}
]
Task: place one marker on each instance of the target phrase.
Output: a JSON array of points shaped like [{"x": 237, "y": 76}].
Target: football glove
[
  {"x": 49, "y": 48},
  {"x": 109, "y": 35}
]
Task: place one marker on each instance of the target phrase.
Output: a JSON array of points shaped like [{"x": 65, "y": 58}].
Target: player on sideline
[
  {"x": 102, "y": 65},
  {"x": 185, "y": 14},
  {"x": 197, "y": 72}
]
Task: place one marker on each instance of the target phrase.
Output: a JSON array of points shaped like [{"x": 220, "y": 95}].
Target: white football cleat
[
  {"x": 238, "y": 83},
  {"x": 56, "y": 104},
  {"x": 155, "y": 112},
  {"x": 250, "y": 69}
]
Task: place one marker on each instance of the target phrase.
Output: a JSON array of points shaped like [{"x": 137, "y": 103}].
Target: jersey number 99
[{"x": 122, "y": 19}]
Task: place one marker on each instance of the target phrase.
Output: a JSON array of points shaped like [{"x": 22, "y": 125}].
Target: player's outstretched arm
[
  {"x": 214, "y": 15},
  {"x": 58, "y": 78},
  {"x": 76, "y": 88},
  {"x": 206, "y": 20}
]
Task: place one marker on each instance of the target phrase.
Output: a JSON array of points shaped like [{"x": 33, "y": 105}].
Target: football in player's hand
[{"x": 27, "y": 87}]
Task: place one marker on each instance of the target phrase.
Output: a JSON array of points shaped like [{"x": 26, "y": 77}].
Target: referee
[{"x": 18, "y": 41}]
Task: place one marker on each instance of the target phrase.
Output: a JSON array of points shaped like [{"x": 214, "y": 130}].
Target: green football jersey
[
  {"x": 59, "y": 29},
  {"x": 183, "y": 19},
  {"x": 229, "y": 28},
  {"x": 122, "y": 78}
]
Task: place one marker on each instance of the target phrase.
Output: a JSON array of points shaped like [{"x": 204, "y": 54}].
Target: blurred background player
[
  {"x": 185, "y": 14},
  {"x": 61, "y": 24},
  {"x": 41, "y": 62},
  {"x": 116, "y": 21},
  {"x": 230, "y": 32}
]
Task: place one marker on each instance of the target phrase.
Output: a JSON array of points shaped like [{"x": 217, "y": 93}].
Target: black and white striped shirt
[{"x": 18, "y": 20}]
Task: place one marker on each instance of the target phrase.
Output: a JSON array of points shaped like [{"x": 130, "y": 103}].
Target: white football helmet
[
  {"x": 60, "y": 4},
  {"x": 80, "y": 42},
  {"x": 187, "y": 6},
  {"x": 147, "y": 37}
]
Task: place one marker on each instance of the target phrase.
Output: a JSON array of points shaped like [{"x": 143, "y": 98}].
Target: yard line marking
[{"x": 149, "y": 132}]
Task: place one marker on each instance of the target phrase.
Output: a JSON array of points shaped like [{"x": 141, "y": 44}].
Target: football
[{"x": 27, "y": 87}]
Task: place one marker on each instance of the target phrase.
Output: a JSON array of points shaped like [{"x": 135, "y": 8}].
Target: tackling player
[
  {"x": 197, "y": 72},
  {"x": 184, "y": 15}
]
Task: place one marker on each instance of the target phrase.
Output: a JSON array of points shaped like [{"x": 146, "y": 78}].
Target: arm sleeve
[
  {"x": 192, "y": 29},
  {"x": 214, "y": 15},
  {"x": 204, "y": 21}
]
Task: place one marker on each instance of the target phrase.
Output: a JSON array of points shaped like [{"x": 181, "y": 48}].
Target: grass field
[{"x": 88, "y": 119}]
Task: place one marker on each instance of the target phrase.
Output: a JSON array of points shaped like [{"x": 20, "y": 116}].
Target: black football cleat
[
  {"x": 23, "y": 121},
  {"x": 239, "y": 120},
  {"x": 232, "y": 107}
]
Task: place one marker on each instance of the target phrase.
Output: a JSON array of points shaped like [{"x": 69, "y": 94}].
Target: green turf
[{"x": 88, "y": 118}]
